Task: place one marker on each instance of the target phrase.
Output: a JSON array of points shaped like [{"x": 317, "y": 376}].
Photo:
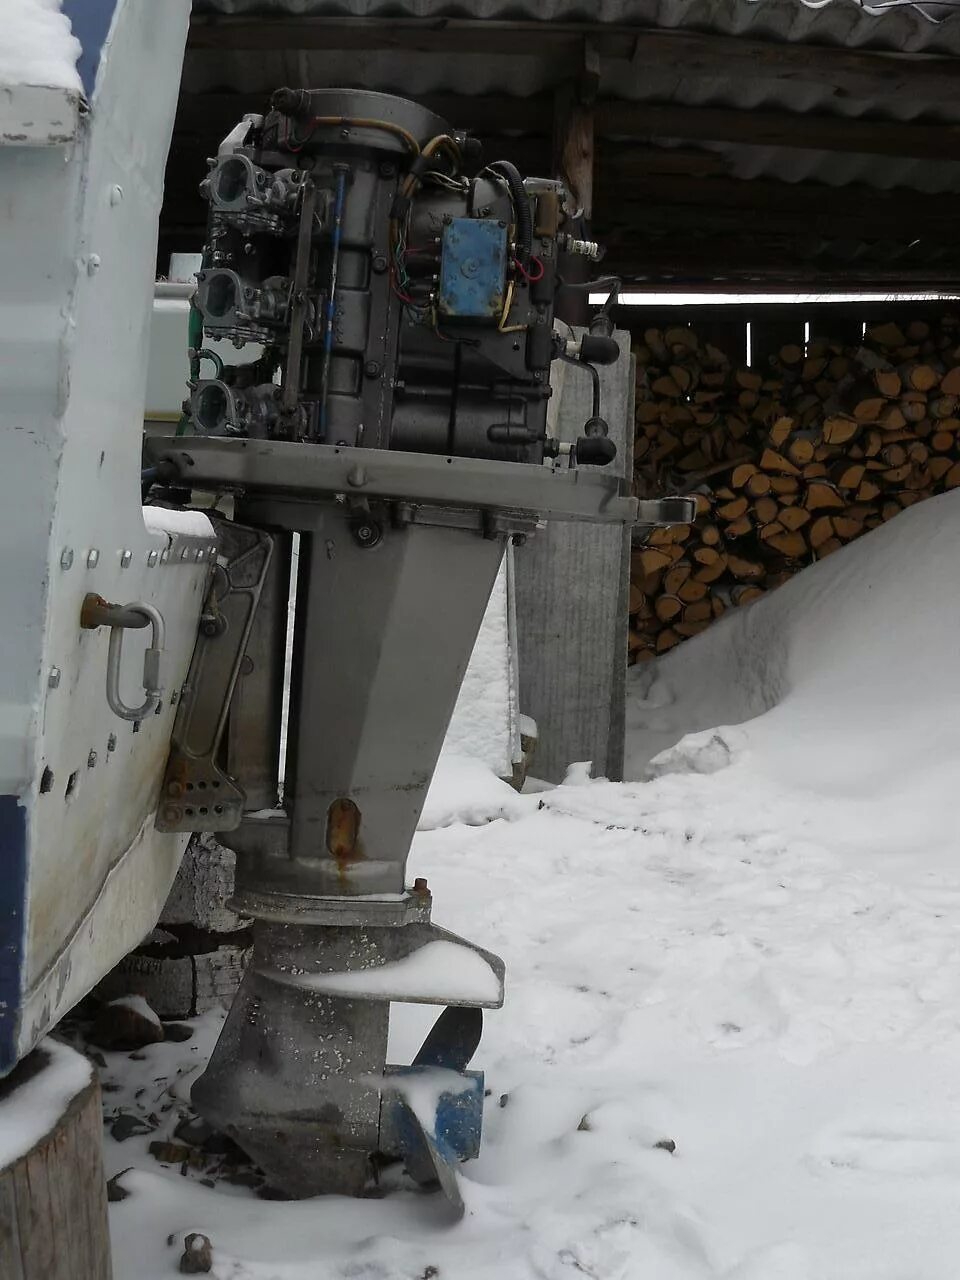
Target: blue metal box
[{"x": 473, "y": 269}]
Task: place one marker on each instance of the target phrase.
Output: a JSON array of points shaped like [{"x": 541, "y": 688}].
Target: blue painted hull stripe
[{"x": 13, "y": 914}]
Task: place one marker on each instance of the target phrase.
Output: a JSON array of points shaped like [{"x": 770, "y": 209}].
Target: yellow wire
[
  {"x": 503, "y": 327},
  {"x": 359, "y": 122}
]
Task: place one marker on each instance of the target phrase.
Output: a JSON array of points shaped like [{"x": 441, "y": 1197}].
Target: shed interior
[
  {"x": 715, "y": 146},
  {"x": 712, "y": 142}
]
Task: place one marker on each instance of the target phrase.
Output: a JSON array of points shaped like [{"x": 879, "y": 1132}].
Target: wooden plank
[
  {"x": 727, "y": 332},
  {"x": 494, "y": 113},
  {"x": 213, "y": 113},
  {"x": 811, "y": 199},
  {"x": 573, "y": 160},
  {"x": 659, "y": 213},
  {"x": 837, "y": 323},
  {"x": 921, "y": 139},
  {"x": 769, "y": 335},
  {"x": 699, "y": 247},
  {"x": 850, "y": 73}
]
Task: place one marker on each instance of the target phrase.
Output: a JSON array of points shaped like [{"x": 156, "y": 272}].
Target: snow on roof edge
[{"x": 39, "y": 48}]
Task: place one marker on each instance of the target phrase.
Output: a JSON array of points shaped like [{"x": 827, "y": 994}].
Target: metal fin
[
  {"x": 426, "y": 1163},
  {"x": 452, "y": 1040}
]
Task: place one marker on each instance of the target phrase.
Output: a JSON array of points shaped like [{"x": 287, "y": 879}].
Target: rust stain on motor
[{"x": 343, "y": 830}]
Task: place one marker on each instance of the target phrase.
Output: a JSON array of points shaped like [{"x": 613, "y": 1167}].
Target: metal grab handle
[{"x": 96, "y": 612}]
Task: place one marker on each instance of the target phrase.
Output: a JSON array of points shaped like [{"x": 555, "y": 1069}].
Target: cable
[
  {"x": 355, "y": 122},
  {"x": 528, "y": 276},
  {"x": 521, "y": 206},
  {"x": 503, "y": 327},
  {"x": 206, "y": 354},
  {"x": 604, "y": 282},
  {"x": 581, "y": 364}
]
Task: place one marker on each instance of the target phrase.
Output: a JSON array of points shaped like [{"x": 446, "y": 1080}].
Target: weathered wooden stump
[{"x": 53, "y": 1198}]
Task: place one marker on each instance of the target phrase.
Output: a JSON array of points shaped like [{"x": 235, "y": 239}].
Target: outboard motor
[{"x": 401, "y": 292}]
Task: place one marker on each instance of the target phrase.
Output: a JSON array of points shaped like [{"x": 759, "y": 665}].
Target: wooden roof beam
[
  {"x": 614, "y": 118},
  {"x": 849, "y": 73},
  {"x": 763, "y": 196},
  {"x": 920, "y": 140}
]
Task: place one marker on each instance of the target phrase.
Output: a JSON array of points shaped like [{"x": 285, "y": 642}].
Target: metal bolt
[
  {"x": 371, "y": 369},
  {"x": 175, "y": 788},
  {"x": 112, "y": 742},
  {"x": 91, "y": 759},
  {"x": 420, "y": 885},
  {"x": 379, "y": 263},
  {"x": 184, "y": 553},
  {"x": 387, "y": 170},
  {"x": 152, "y": 558},
  {"x": 53, "y": 679},
  {"x": 93, "y": 558},
  {"x": 66, "y": 558},
  {"x": 171, "y": 813},
  {"x": 125, "y": 559},
  {"x": 367, "y": 533}
]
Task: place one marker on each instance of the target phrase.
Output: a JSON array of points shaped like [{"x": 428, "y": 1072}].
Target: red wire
[{"x": 530, "y": 279}]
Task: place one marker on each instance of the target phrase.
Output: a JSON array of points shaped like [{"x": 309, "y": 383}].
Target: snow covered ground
[{"x": 753, "y": 955}]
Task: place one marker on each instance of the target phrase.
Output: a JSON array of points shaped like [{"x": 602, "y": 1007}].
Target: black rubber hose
[{"x": 506, "y": 169}]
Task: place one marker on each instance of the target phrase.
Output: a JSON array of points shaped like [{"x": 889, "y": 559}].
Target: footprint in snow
[{"x": 887, "y": 1153}]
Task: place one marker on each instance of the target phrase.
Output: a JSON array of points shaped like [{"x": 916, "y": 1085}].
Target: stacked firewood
[{"x": 787, "y": 464}]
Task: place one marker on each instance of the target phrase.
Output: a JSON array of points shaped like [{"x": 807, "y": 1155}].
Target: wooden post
[
  {"x": 574, "y": 158},
  {"x": 53, "y": 1199}
]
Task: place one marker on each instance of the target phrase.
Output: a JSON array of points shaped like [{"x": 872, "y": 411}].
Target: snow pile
[
  {"x": 730, "y": 1048},
  {"x": 137, "y": 1005},
  {"x": 848, "y": 667},
  {"x": 466, "y": 790},
  {"x": 174, "y": 523},
  {"x": 37, "y": 45},
  {"x": 30, "y": 1110},
  {"x": 445, "y": 970}
]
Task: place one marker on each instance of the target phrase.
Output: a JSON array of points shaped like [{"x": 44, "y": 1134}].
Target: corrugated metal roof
[{"x": 842, "y": 23}]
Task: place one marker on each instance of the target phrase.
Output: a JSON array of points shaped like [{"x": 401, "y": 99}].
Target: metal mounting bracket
[{"x": 197, "y": 794}]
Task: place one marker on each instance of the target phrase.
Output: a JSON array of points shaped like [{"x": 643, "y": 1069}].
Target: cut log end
[{"x": 53, "y": 1199}]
